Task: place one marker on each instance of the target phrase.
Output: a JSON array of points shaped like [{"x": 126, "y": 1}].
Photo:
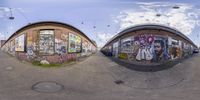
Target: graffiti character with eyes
[{"x": 158, "y": 47}]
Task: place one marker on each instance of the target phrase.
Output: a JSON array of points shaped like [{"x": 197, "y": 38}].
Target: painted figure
[
  {"x": 158, "y": 46},
  {"x": 145, "y": 51}
]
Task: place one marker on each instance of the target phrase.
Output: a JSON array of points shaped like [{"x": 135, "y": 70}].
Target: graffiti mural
[
  {"x": 30, "y": 53},
  {"x": 74, "y": 43},
  {"x": 175, "y": 48},
  {"x": 30, "y": 47},
  {"x": 115, "y": 49},
  {"x": 46, "y": 42},
  {"x": 19, "y": 43},
  {"x": 128, "y": 48},
  {"x": 29, "y": 39},
  {"x": 160, "y": 52},
  {"x": 49, "y": 42},
  {"x": 127, "y": 45},
  {"x": 78, "y": 44},
  {"x": 12, "y": 47},
  {"x": 85, "y": 48},
  {"x": 186, "y": 49},
  {"x": 60, "y": 46},
  {"x": 145, "y": 43},
  {"x": 22, "y": 56},
  {"x": 144, "y": 47}
]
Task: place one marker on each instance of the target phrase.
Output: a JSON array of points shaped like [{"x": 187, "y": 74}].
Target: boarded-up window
[
  {"x": 74, "y": 43},
  {"x": 19, "y": 43},
  {"x": 46, "y": 42},
  {"x": 127, "y": 45}
]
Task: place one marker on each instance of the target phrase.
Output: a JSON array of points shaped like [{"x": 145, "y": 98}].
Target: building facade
[
  {"x": 54, "y": 42},
  {"x": 149, "y": 44},
  {"x": 2, "y": 42}
]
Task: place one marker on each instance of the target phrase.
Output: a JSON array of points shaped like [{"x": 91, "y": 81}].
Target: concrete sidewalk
[{"x": 94, "y": 79}]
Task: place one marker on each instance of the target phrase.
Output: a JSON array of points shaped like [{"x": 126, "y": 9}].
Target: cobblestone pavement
[{"x": 95, "y": 79}]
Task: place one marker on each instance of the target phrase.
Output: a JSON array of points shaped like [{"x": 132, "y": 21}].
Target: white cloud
[
  {"x": 2, "y": 12},
  {"x": 5, "y": 12},
  {"x": 2, "y": 37},
  {"x": 184, "y": 19},
  {"x": 103, "y": 38}
]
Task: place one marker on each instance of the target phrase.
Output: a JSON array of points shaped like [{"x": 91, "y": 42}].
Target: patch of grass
[{"x": 37, "y": 63}]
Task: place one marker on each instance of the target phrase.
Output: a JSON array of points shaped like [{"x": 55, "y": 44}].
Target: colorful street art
[
  {"x": 85, "y": 48},
  {"x": 186, "y": 49},
  {"x": 144, "y": 47},
  {"x": 144, "y": 44},
  {"x": 128, "y": 48},
  {"x": 46, "y": 42},
  {"x": 78, "y": 44},
  {"x": 160, "y": 52},
  {"x": 22, "y": 56},
  {"x": 30, "y": 47},
  {"x": 115, "y": 49},
  {"x": 175, "y": 48},
  {"x": 12, "y": 47},
  {"x": 151, "y": 48},
  {"x": 127, "y": 45},
  {"x": 55, "y": 45},
  {"x": 19, "y": 43},
  {"x": 29, "y": 39},
  {"x": 30, "y": 53},
  {"x": 60, "y": 46},
  {"x": 74, "y": 43}
]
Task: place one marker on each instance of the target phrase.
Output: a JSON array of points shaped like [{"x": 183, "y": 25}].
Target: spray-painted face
[
  {"x": 136, "y": 43},
  {"x": 157, "y": 47}
]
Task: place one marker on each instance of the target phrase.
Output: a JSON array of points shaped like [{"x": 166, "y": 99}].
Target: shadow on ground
[{"x": 149, "y": 68}]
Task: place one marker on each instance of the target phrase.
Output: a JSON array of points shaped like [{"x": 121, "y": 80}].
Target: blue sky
[{"x": 118, "y": 14}]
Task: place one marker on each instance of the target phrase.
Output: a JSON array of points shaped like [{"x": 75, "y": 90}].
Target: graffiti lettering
[
  {"x": 46, "y": 42},
  {"x": 30, "y": 54}
]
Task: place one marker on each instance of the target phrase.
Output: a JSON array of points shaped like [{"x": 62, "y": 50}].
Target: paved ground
[{"x": 94, "y": 79}]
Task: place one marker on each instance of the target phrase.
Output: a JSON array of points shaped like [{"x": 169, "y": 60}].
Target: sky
[{"x": 100, "y": 20}]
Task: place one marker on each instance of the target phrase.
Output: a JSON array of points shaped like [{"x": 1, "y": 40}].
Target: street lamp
[
  {"x": 11, "y": 16},
  {"x": 106, "y": 35},
  {"x": 176, "y": 7},
  {"x": 158, "y": 15}
]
